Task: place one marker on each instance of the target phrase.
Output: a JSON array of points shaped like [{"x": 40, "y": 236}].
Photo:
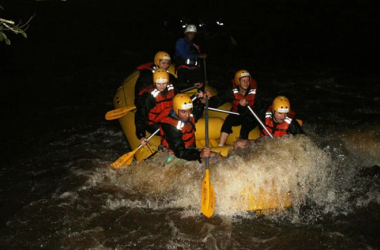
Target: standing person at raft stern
[
  {"x": 279, "y": 121},
  {"x": 156, "y": 103},
  {"x": 242, "y": 94},
  {"x": 187, "y": 61},
  {"x": 178, "y": 129},
  {"x": 162, "y": 60}
]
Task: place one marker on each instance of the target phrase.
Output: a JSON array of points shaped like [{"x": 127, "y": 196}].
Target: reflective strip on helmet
[
  {"x": 187, "y": 106},
  {"x": 166, "y": 58},
  {"x": 245, "y": 74},
  {"x": 283, "y": 110},
  {"x": 161, "y": 80}
]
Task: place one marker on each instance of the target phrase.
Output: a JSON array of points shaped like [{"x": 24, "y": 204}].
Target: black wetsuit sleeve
[
  {"x": 295, "y": 128},
  {"x": 173, "y": 80},
  {"x": 198, "y": 109},
  {"x": 221, "y": 98},
  {"x": 259, "y": 108},
  {"x": 142, "y": 114},
  {"x": 144, "y": 80},
  {"x": 174, "y": 138}
]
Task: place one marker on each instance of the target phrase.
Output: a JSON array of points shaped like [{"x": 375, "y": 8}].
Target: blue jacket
[{"x": 185, "y": 49}]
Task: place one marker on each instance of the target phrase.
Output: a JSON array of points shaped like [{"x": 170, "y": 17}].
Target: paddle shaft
[
  {"x": 257, "y": 118},
  {"x": 188, "y": 89},
  {"x": 208, "y": 194},
  {"x": 206, "y": 130},
  {"x": 223, "y": 111},
  {"x": 154, "y": 133}
]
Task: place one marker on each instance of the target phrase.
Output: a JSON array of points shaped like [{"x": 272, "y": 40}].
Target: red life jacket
[
  {"x": 187, "y": 129},
  {"x": 149, "y": 66},
  {"x": 249, "y": 96},
  {"x": 163, "y": 103},
  {"x": 186, "y": 67},
  {"x": 277, "y": 130}
]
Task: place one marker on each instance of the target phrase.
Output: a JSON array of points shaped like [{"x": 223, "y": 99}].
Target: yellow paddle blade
[
  {"x": 208, "y": 196},
  {"x": 118, "y": 113},
  {"x": 125, "y": 159}
]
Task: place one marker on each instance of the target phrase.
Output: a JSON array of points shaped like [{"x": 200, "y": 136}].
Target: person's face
[
  {"x": 244, "y": 82},
  {"x": 279, "y": 117},
  {"x": 164, "y": 64},
  {"x": 190, "y": 36},
  {"x": 161, "y": 86},
  {"x": 184, "y": 115}
]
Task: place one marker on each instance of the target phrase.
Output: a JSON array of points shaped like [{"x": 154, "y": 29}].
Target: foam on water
[
  {"x": 320, "y": 172},
  {"x": 315, "y": 171},
  {"x": 283, "y": 165}
]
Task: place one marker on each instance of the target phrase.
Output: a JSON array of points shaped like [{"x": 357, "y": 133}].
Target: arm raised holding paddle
[
  {"x": 127, "y": 158},
  {"x": 279, "y": 121}
]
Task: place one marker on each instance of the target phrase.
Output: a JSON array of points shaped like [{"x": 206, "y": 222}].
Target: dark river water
[{"x": 58, "y": 192}]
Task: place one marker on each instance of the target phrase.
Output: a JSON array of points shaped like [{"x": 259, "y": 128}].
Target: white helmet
[{"x": 191, "y": 28}]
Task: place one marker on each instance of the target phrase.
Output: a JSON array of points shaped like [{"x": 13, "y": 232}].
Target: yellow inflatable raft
[{"x": 124, "y": 97}]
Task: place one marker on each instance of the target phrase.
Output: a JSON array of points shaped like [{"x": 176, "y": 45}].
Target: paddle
[
  {"x": 188, "y": 89},
  {"x": 223, "y": 111},
  {"x": 257, "y": 118},
  {"x": 208, "y": 195},
  {"x": 118, "y": 113},
  {"x": 127, "y": 158}
]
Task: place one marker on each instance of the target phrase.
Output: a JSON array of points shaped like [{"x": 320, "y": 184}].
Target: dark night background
[
  {"x": 302, "y": 35},
  {"x": 57, "y": 84},
  {"x": 78, "y": 50}
]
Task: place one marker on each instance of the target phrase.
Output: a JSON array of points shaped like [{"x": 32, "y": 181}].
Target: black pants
[{"x": 247, "y": 123}]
